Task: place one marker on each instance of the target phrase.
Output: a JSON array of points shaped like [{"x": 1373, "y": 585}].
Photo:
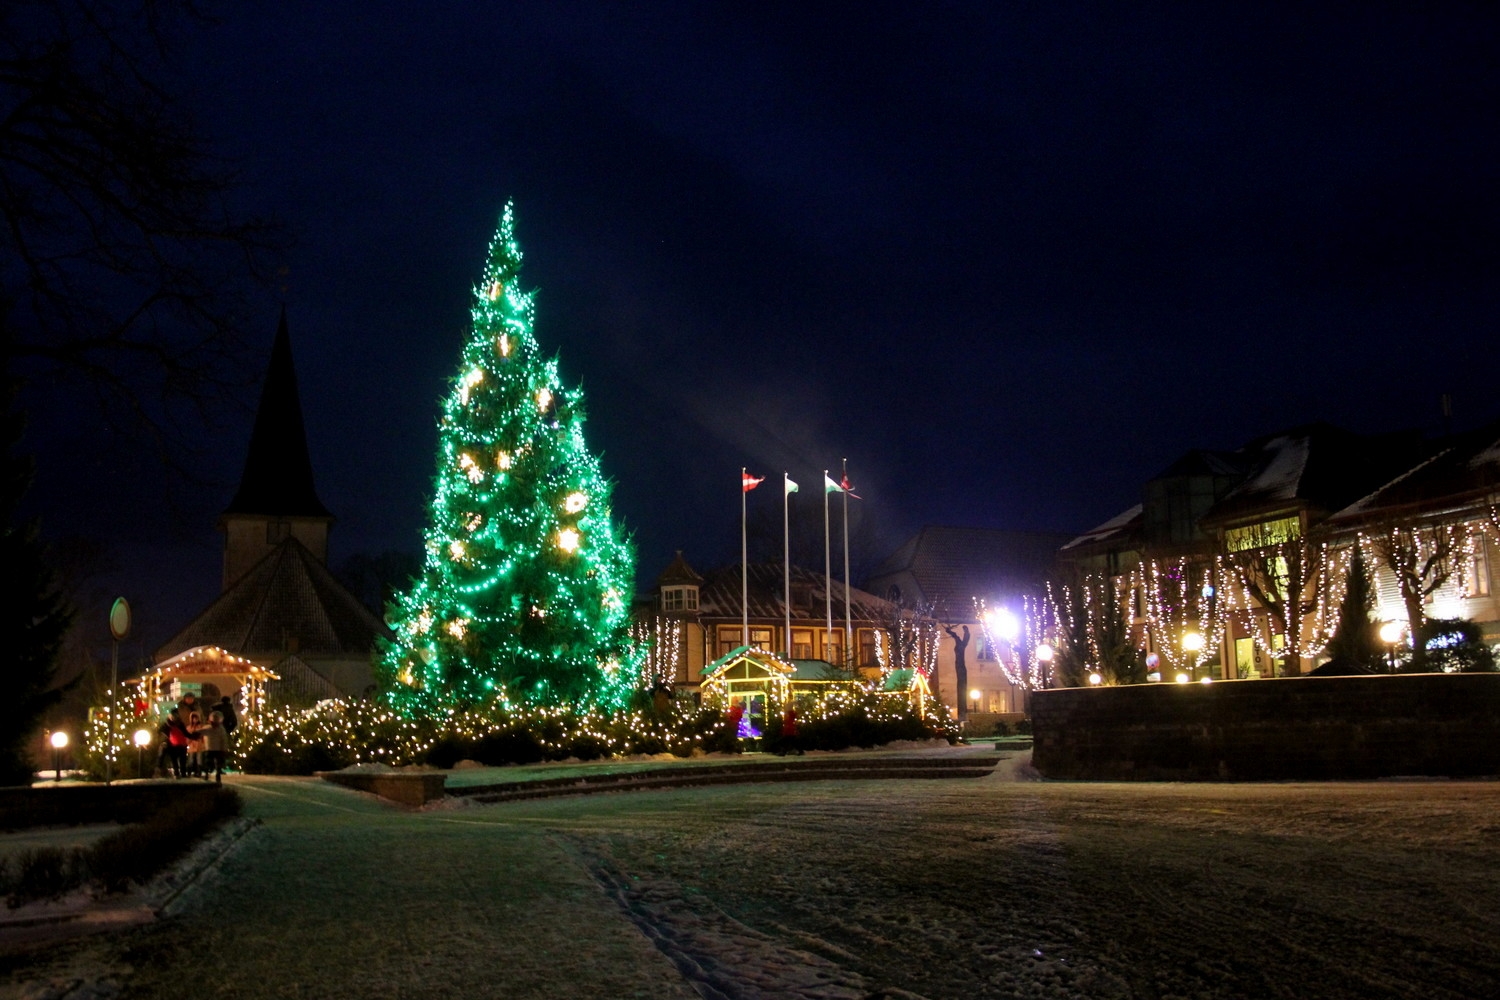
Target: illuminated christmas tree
[{"x": 526, "y": 583}]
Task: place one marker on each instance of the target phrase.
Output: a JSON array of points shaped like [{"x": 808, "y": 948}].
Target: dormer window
[{"x": 679, "y": 598}]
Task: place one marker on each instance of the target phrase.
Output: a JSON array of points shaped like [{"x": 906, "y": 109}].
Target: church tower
[{"x": 276, "y": 499}]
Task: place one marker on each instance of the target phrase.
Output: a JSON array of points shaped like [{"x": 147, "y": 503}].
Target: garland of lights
[
  {"x": 913, "y": 647},
  {"x": 525, "y": 587},
  {"x": 659, "y": 640}
]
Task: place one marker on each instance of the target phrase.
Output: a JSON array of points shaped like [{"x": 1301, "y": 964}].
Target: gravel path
[{"x": 825, "y": 891}]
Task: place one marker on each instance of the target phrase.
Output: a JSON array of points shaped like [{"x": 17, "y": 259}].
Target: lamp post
[
  {"x": 119, "y": 628},
  {"x": 974, "y": 695},
  {"x": 1192, "y": 645},
  {"x": 1390, "y": 634},
  {"x": 59, "y": 740},
  {"x": 142, "y": 737},
  {"x": 1044, "y": 659}
]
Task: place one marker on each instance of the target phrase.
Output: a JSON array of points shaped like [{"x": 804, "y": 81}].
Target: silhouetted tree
[{"x": 1354, "y": 638}]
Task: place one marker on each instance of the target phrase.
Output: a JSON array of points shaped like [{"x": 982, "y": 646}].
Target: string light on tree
[{"x": 524, "y": 562}]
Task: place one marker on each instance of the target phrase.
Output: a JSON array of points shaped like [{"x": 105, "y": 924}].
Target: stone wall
[{"x": 1288, "y": 728}]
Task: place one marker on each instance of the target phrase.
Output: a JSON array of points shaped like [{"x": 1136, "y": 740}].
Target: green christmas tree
[{"x": 526, "y": 584}]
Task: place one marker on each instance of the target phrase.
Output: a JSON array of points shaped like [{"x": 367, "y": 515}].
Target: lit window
[{"x": 1477, "y": 571}]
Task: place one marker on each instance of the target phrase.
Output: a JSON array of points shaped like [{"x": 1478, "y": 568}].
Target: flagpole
[
  {"x": 744, "y": 566},
  {"x": 848, "y": 619},
  {"x": 827, "y": 568},
  {"x": 786, "y": 557}
]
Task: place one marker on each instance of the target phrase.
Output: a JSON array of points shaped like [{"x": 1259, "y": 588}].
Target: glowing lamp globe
[
  {"x": 1183, "y": 678},
  {"x": 1192, "y": 642},
  {"x": 1096, "y": 679},
  {"x": 1044, "y": 653},
  {"x": 1006, "y": 625},
  {"x": 975, "y": 694},
  {"x": 142, "y": 737},
  {"x": 1390, "y": 633},
  {"x": 58, "y": 740}
]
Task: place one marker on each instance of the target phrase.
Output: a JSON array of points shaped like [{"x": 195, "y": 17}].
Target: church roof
[
  {"x": 278, "y": 476},
  {"x": 287, "y": 595}
]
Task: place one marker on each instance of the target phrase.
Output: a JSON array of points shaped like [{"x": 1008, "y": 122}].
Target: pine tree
[
  {"x": 525, "y": 589},
  {"x": 1354, "y": 638},
  {"x": 35, "y": 617}
]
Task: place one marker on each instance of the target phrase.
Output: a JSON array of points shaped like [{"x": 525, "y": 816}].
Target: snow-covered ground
[{"x": 941, "y": 889}]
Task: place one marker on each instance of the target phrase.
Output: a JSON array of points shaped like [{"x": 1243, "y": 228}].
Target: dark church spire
[{"x": 278, "y": 477}]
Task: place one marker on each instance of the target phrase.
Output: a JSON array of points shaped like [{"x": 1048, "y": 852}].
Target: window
[
  {"x": 833, "y": 648},
  {"x": 802, "y": 644},
  {"x": 679, "y": 599},
  {"x": 867, "y": 648},
  {"x": 1477, "y": 570},
  {"x": 1260, "y": 536},
  {"x": 731, "y": 637},
  {"x": 984, "y": 653},
  {"x": 277, "y": 532}
]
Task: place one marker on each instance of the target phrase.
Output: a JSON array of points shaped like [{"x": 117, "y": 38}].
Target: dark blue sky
[{"x": 1009, "y": 259}]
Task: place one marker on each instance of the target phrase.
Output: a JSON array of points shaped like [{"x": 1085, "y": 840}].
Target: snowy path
[{"x": 825, "y": 891}]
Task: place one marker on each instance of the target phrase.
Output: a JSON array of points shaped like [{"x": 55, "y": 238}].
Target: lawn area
[{"x": 938, "y": 889}]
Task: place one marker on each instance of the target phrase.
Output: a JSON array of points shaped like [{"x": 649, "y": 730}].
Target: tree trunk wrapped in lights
[
  {"x": 1298, "y": 584},
  {"x": 525, "y": 589},
  {"x": 1093, "y": 632},
  {"x": 1421, "y": 557}
]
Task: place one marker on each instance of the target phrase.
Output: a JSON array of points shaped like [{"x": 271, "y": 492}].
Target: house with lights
[
  {"x": 1233, "y": 564},
  {"x": 693, "y": 620},
  {"x": 955, "y": 574},
  {"x": 281, "y": 618}
]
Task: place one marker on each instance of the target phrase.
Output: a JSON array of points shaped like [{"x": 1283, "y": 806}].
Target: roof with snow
[
  {"x": 288, "y": 595},
  {"x": 1465, "y": 470},
  {"x": 1116, "y": 527},
  {"x": 1316, "y": 466}
]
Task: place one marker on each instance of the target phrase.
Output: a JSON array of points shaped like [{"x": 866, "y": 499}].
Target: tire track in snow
[{"x": 721, "y": 958}]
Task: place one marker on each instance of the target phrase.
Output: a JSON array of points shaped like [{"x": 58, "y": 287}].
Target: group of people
[{"x": 194, "y": 744}]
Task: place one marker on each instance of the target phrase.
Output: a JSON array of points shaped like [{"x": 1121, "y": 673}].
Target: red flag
[
  {"x": 848, "y": 487},
  {"x": 749, "y": 482}
]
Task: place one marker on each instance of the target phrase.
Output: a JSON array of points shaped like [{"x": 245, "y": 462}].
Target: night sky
[{"x": 1009, "y": 259}]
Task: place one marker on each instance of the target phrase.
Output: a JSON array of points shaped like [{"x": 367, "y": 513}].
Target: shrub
[
  {"x": 132, "y": 854},
  {"x": 136, "y": 852},
  {"x": 43, "y": 873}
]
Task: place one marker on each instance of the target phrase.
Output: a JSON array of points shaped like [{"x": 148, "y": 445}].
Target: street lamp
[
  {"x": 1096, "y": 678},
  {"x": 974, "y": 695},
  {"x": 1192, "y": 645},
  {"x": 1390, "y": 634},
  {"x": 142, "y": 737},
  {"x": 1044, "y": 657},
  {"x": 59, "y": 740}
]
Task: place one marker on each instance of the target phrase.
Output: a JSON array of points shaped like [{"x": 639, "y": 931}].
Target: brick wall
[{"x": 1288, "y": 728}]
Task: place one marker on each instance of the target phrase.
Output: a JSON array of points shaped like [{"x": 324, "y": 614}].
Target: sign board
[{"x": 119, "y": 618}]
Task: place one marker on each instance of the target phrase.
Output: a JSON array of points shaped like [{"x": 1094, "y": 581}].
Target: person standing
[
  {"x": 177, "y": 742},
  {"x": 215, "y": 746},
  {"x": 195, "y": 746}
]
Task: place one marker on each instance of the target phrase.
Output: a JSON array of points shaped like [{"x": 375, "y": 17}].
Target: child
[
  {"x": 195, "y": 746},
  {"x": 216, "y": 746}
]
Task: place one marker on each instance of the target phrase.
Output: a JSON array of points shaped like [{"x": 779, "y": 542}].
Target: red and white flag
[{"x": 749, "y": 482}]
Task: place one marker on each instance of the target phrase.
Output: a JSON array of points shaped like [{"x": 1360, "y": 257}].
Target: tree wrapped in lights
[
  {"x": 1298, "y": 586},
  {"x": 1094, "y": 633},
  {"x": 526, "y": 582},
  {"x": 1185, "y": 614},
  {"x": 1030, "y": 638}
]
